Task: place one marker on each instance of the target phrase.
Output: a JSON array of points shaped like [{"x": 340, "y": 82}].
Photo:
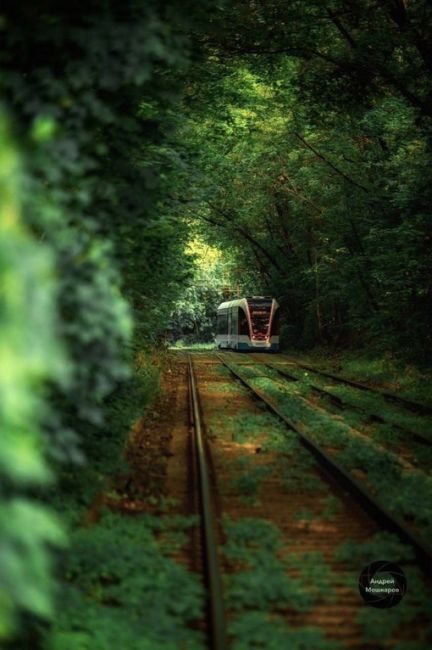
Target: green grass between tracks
[
  {"x": 254, "y": 549},
  {"x": 385, "y": 371},
  {"x": 265, "y": 584},
  {"x": 361, "y": 409},
  {"x": 370, "y": 403},
  {"x": 385, "y": 476}
]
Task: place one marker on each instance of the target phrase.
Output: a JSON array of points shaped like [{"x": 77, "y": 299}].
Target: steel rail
[
  {"x": 345, "y": 403},
  {"x": 373, "y": 506},
  {"x": 216, "y": 609},
  {"x": 409, "y": 404}
]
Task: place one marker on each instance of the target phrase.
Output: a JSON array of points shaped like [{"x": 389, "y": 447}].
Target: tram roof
[
  {"x": 239, "y": 302},
  {"x": 232, "y": 303}
]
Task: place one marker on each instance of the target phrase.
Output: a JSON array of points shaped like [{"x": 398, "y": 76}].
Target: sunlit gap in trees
[{"x": 213, "y": 279}]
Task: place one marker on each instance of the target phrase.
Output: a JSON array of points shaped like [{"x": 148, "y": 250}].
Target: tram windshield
[{"x": 260, "y": 311}]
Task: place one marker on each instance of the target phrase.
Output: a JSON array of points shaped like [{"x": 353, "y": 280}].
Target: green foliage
[
  {"x": 30, "y": 354},
  {"x": 91, "y": 292},
  {"x": 380, "y": 545},
  {"x": 118, "y": 577},
  {"x": 259, "y": 630},
  {"x": 78, "y": 485},
  {"x": 263, "y": 582},
  {"x": 266, "y": 581},
  {"x": 140, "y": 390},
  {"x": 381, "y": 371},
  {"x": 309, "y": 139},
  {"x": 293, "y": 465},
  {"x": 248, "y": 477},
  {"x": 414, "y": 609},
  {"x": 396, "y": 486},
  {"x": 193, "y": 319},
  {"x": 332, "y": 507},
  {"x": 300, "y": 474},
  {"x": 368, "y": 402},
  {"x": 92, "y": 98},
  {"x": 120, "y": 590},
  {"x": 308, "y": 165},
  {"x": 100, "y": 168},
  {"x": 387, "y": 624},
  {"x": 246, "y": 426},
  {"x": 180, "y": 344}
]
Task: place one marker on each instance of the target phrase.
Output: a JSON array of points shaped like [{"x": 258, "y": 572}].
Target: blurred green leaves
[
  {"x": 90, "y": 240},
  {"x": 30, "y": 354},
  {"x": 120, "y": 590},
  {"x": 43, "y": 129}
]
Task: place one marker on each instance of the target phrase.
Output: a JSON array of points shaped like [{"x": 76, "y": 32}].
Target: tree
[{"x": 312, "y": 130}]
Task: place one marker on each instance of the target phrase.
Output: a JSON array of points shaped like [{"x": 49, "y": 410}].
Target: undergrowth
[
  {"x": 377, "y": 624},
  {"x": 118, "y": 576},
  {"x": 119, "y": 590},
  {"x": 396, "y": 487},
  {"x": 194, "y": 347},
  {"x": 386, "y": 371},
  {"x": 365, "y": 413},
  {"x": 78, "y": 485},
  {"x": 267, "y": 583},
  {"x": 370, "y": 403}
]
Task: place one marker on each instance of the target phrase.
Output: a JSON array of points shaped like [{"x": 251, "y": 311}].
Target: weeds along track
[
  {"x": 409, "y": 417},
  {"x": 294, "y": 538},
  {"x": 376, "y": 474},
  {"x": 411, "y": 405},
  {"x": 413, "y": 448}
]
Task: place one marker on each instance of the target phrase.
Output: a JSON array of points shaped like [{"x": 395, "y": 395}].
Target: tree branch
[
  {"x": 330, "y": 164},
  {"x": 342, "y": 29},
  {"x": 244, "y": 233}
]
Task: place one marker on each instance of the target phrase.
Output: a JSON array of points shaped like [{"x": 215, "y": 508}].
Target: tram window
[
  {"x": 275, "y": 326},
  {"x": 243, "y": 325},
  {"x": 222, "y": 323},
  {"x": 260, "y": 317},
  {"x": 234, "y": 320}
]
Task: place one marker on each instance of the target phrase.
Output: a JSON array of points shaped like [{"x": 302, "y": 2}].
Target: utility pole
[{"x": 228, "y": 291}]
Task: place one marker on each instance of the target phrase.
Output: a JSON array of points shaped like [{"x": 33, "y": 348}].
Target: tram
[{"x": 250, "y": 323}]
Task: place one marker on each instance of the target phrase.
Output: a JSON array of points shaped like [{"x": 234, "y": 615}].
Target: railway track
[
  {"x": 410, "y": 447},
  {"x": 213, "y": 580},
  {"x": 374, "y": 413},
  {"x": 361, "y": 517},
  {"x": 411, "y": 405},
  {"x": 372, "y": 505}
]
